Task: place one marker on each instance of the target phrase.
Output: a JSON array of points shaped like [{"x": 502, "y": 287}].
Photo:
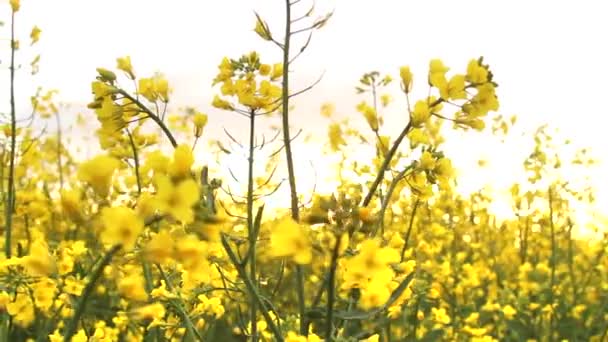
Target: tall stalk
[
  {"x": 250, "y": 227},
  {"x": 295, "y": 212},
  {"x": 10, "y": 201}
]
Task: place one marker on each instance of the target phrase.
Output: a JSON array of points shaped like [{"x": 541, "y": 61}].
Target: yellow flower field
[{"x": 146, "y": 242}]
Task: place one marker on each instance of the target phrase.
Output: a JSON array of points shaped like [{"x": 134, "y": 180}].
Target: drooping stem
[
  {"x": 152, "y": 116},
  {"x": 385, "y": 165},
  {"x": 10, "y": 202}
]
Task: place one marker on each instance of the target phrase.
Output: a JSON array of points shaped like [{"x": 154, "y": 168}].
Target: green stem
[
  {"x": 386, "y": 164},
  {"x": 10, "y": 202},
  {"x": 409, "y": 229},
  {"x": 86, "y": 293},
  {"x": 250, "y": 225},
  {"x": 135, "y": 161},
  {"x": 331, "y": 290}
]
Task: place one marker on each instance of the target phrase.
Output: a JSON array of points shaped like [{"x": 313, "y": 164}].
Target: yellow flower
[
  {"x": 35, "y": 34},
  {"x": 121, "y": 226},
  {"x": 221, "y": 104},
  {"x": 160, "y": 247},
  {"x": 277, "y": 71},
  {"x": 420, "y": 114},
  {"x": 15, "y": 4},
  {"x": 261, "y": 28},
  {"x": 441, "y": 316},
  {"x": 335, "y": 137},
  {"x": 124, "y": 64},
  {"x": 71, "y": 203},
  {"x": 370, "y": 115},
  {"x": 476, "y": 73},
  {"x": 149, "y": 312},
  {"x": 177, "y": 199},
  {"x": 290, "y": 239},
  {"x": 132, "y": 287},
  {"x": 98, "y": 172},
  {"x": 509, "y": 312},
  {"x": 182, "y": 162},
  {"x": 39, "y": 262},
  {"x": 365, "y": 215},
  {"x": 200, "y": 121},
  {"x": 427, "y": 161},
  {"x": 406, "y": 78},
  {"x": 455, "y": 88},
  {"x": 437, "y": 72},
  {"x": 327, "y": 109}
]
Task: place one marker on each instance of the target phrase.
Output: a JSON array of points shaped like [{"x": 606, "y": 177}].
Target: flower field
[{"x": 145, "y": 241}]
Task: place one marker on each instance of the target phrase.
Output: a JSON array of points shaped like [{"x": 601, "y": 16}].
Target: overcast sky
[{"x": 549, "y": 57}]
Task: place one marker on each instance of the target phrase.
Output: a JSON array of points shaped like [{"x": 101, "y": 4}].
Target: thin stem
[
  {"x": 136, "y": 161},
  {"x": 285, "y": 115},
  {"x": 250, "y": 230},
  {"x": 331, "y": 290},
  {"x": 88, "y": 290},
  {"x": 295, "y": 210},
  {"x": 10, "y": 203},
  {"x": 409, "y": 229}
]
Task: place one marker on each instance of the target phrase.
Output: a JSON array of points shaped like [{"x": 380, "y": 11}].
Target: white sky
[{"x": 549, "y": 57}]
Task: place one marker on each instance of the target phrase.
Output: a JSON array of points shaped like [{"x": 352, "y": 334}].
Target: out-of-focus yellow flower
[
  {"x": 39, "y": 261},
  {"x": 160, "y": 247},
  {"x": 406, "y": 78},
  {"x": 277, "y": 71},
  {"x": 98, "y": 172},
  {"x": 124, "y": 64},
  {"x": 35, "y": 35},
  {"x": 290, "y": 239},
  {"x": 509, "y": 311},
  {"x": 420, "y": 114},
  {"x": 437, "y": 72},
  {"x": 370, "y": 115},
  {"x": 200, "y": 121},
  {"x": 15, "y": 5},
  {"x": 177, "y": 199},
  {"x": 265, "y": 69},
  {"x": 335, "y": 136},
  {"x": 261, "y": 28},
  {"x": 221, "y": 104},
  {"x": 440, "y": 316},
  {"x": 121, "y": 226},
  {"x": 182, "y": 162},
  {"x": 132, "y": 287},
  {"x": 476, "y": 73},
  {"x": 149, "y": 312}
]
